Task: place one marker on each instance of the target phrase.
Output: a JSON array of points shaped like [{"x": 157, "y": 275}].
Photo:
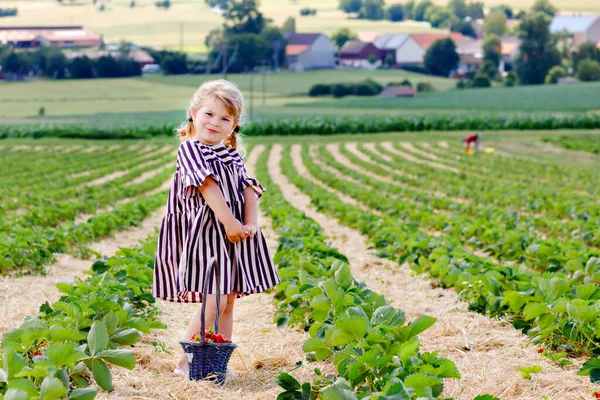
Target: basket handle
[{"x": 212, "y": 264}]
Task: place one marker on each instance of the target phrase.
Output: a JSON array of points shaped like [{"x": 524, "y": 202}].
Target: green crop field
[
  {"x": 511, "y": 232},
  {"x": 577, "y": 97},
  {"x": 147, "y": 25}
]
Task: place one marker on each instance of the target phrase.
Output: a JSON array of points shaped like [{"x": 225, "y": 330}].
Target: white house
[
  {"x": 306, "y": 51},
  {"x": 583, "y": 28},
  {"x": 403, "y": 48}
]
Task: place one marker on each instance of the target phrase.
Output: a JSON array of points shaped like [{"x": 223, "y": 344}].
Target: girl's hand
[
  {"x": 251, "y": 230},
  {"x": 235, "y": 231}
]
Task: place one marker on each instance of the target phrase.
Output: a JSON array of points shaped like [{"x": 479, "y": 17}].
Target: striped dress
[{"x": 190, "y": 233}]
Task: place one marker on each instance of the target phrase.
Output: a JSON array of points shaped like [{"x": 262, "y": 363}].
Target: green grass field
[
  {"x": 147, "y": 25},
  {"x": 172, "y": 93},
  {"x": 578, "y": 97}
]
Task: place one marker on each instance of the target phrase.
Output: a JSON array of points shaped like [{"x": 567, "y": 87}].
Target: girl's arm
[
  {"x": 214, "y": 198},
  {"x": 250, "y": 210}
]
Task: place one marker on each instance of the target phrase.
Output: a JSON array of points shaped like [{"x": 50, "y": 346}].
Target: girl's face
[{"x": 213, "y": 123}]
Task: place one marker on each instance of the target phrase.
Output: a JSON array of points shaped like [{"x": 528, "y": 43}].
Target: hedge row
[{"x": 328, "y": 126}]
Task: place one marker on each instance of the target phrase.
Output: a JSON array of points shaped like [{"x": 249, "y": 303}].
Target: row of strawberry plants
[
  {"x": 61, "y": 166},
  {"x": 63, "y": 350},
  {"x": 553, "y": 309},
  {"x": 497, "y": 196},
  {"x": 89, "y": 200},
  {"x": 490, "y": 229},
  {"x": 29, "y": 249},
  {"x": 502, "y": 168},
  {"x": 527, "y": 195},
  {"x": 375, "y": 351},
  {"x": 32, "y": 167},
  {"x": 66, "y": 188}
]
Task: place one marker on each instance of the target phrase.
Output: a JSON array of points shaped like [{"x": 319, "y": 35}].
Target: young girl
[{"x": 212, "y": 212}]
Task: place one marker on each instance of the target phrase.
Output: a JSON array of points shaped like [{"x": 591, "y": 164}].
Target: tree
[
  {"x": 174, "y": 64},
  {"x": 289, "y": 25},
  {"x": 396, "y": 12},
  {"x": 588, "y": 70},
  {"x": 409, "y": 8},
  {"x": 108, "y": 67},
  {"x": 421, "y": 9},
  {"x": 475, "y": 10},
  {"x": 507, "y": 10},
  {"x": 489, "y": 69},
  {"x": 545, "y": 7},
  {"x": 270, "y": 35},
  {"x": 81, "y": 68},
  {"x": 537, "y": 53},
  {"x": 373, "y": 10},
  {"x": 495, "y": 23},
  {"x": 511, "y": 79},
  {"x": 244, "y": 17},
  {"x": 554, "y": 75},
  {"x": 441, "y": 57},
  {"x": 586, "y": 51},
  {"x": 458, "y": 8},
  {"x": 481, "y": 81},
  {"x": 440, "y": 17},
  {"x": 56, "y": 64},
  {"x": 342, "y": 35},
  {"x": 350, "y": 6},
  {"x": 492, "y": 49},
  {"x": 17, "y": 63},
  {"x": 252, "y": 49},
  {"x": 464, "y": 27}
]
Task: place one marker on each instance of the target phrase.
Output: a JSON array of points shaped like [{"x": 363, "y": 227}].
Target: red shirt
[{"x": 471, "y": 138}]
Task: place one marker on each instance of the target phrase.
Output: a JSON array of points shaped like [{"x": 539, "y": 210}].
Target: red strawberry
[
  {"x": 597, "y": 394},
  {"x": 37, "y": 353},
  {"x": 540, "y": 351}
]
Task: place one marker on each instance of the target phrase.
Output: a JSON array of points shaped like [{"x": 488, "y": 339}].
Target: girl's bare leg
[
  {"x": 226, "y": 320},
  {"x": 194, "y": 326}
]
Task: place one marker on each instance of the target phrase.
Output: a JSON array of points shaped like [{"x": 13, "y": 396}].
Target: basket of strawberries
[{"x": 207, "y": 351}]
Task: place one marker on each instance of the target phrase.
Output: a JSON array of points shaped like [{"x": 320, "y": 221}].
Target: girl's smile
[{"x": 213, "y": 123}]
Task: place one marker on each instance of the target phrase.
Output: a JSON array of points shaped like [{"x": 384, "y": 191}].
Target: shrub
[
  {"x": 461, "y": 84},
  {"x": 340, "y": 90},
  {"x": 554, "y": 74},
  {"x": 308, "y": 11},
  {"x": 424, "y": 87},
  {"x": 319, "y": 89},
  {"x": 511, "y": 79},
  {"x": 368, "y": 87},
  {"x": 81, "y": 68},
  {"x": 588, "y": 70},
  {"x": 481, "y": 81}
]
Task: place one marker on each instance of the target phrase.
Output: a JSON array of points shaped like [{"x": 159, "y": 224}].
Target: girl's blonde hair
[{"x": 232, "y": 99}]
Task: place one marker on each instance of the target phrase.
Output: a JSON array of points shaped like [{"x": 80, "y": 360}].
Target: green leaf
[
  {"x": 25, "y": 385},
  {"x": 16, "y": 394},
  {"x": 64, "y": 287},
  {"x": 586, "y": 291},
  {"x": 287, "y": 382},
  {"x": 528, "y": 371},
  {"x": 486, "y": 397},
  {"x": 102, "y": 374},
  {"x": 322, "y": 352},
  {"x": 419, "y": 381},
  {"x": 3, "y": 376},
  {"x": 122, "y": 358},
  {"x": 534, "y": 310},
  {"x": 97, "y": 337},
  {"x": 421, "y": 324},
  {"x": 339, "y": 337},
  {"x": 52, "y": 388},
  {"x": 63, "y": 354},
  {"x": 342, "y": 275},
  {"x": 126, "y": 337},
  {"x": 356, "y": 326},
  {"x": 339, "y": 390},
  {"x": 83, "y": 394},
  {"x": 13, "y": 362}
]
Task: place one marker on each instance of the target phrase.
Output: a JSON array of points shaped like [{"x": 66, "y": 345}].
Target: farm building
[
  {"x": 397, "y": 91},
  {"x": 510, "y": 51},
  {"x": 470, "y": 52},
  {"x": 425, "y": 40},
  {"x": 51, "y": 36},
  {"x": 356, "y": 54},
  {"x": 402, "y": 47},
  {"x": 583, "y": 28},
  {"x": 306, "y": 51}
]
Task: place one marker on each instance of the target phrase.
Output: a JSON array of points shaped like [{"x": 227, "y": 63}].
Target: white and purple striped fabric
[{"x": 190, "y": 233}]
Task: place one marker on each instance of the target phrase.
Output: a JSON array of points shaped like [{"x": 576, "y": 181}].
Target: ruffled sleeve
[
  {"x": 193, "y": 166},
  {"x": 246, "y": 181}
]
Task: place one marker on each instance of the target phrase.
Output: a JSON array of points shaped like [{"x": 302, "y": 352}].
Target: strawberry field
[{"x": 409, "y": 270}]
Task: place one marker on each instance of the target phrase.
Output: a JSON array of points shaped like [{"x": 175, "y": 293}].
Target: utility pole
[
  {"x": 224, "y": 49},
  {"x": 251, "y": 94},
  {"x": 264, "y": 81}
]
